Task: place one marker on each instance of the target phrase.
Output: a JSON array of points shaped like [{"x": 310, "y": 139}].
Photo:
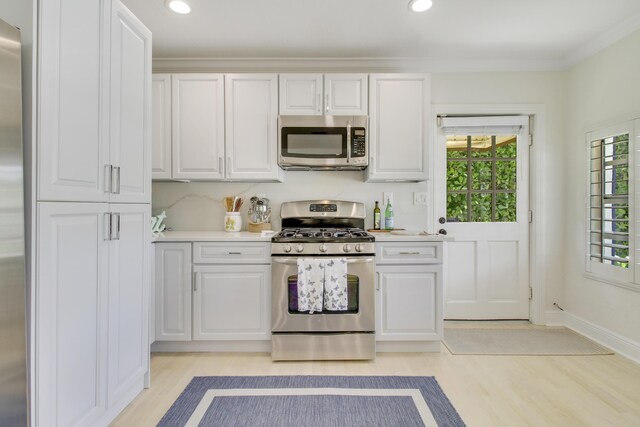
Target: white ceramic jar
[{"x": 232, "y": 222}]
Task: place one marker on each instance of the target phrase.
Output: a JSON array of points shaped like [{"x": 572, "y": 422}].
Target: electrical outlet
[
  {"x": 419, "y": 197},
  {"x": 387, "y": 197}
]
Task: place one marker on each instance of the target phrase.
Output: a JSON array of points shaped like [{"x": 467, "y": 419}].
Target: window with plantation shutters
[
  {"x": 609, "y": 201},
  {"x": 612, "y": 205}
]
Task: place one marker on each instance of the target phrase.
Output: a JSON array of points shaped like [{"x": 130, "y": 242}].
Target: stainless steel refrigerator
[{"x": 13, "y": 360}]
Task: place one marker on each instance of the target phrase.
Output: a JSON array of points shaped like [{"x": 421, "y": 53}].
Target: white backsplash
[{"x": 198, "y": 205}]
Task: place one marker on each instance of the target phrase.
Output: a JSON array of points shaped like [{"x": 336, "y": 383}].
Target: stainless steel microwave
[{"x": 323, "y": 142}]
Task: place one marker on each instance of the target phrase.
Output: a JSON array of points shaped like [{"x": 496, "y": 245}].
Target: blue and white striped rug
[{"x": 312, "y": 401}]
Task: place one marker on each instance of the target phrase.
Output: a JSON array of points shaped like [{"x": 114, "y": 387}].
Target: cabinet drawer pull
[{"x": 410, "y": 253}]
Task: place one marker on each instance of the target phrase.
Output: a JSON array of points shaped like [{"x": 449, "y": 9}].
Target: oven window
[
  {"x": 314, "y": 142},
  {"x": 353, "y": 283}
]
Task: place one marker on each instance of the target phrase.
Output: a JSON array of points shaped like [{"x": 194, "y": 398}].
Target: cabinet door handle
[
  {"x": 220, "y": 165},
  {"x": 378, "y": 281},
  {"x": 195, "y": 281},
  {"x": 115, "y": 229},
  {"x": 107, "y": 226},
  {"x": 229, "y": 164},
  {"x": 348, "y": 141},
  {"x": 326, "y": 101},
  {"x": 108, "y": 176},
  {"x": 115, "y": 176},
  {"x": 318, "y": 104}
]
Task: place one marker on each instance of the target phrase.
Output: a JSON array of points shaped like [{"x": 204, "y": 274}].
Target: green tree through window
[{"x": 481, "y": 178}]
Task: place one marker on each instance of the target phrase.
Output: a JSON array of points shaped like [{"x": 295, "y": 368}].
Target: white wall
[
  {"x": 604, "y": 89},
  {"x": 197, "y": 206}
]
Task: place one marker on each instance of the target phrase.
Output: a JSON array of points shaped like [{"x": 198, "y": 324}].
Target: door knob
[
  {"x": 442, "y": 220},
  {"x": 442, "y": 231}
]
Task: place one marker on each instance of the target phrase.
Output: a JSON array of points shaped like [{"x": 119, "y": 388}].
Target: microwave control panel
[{"x": 358, "y": 142}]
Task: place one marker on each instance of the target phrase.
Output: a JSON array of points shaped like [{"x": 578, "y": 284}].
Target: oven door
[{"x": 360, "y": 313}]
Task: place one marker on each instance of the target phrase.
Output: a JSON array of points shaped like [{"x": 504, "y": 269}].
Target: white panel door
[
  {"x": 231, "y": 303},
  {"x": 71, "y": 322},
  {"x": 130, "y": 145},
  {"x": 197, "y": 126},
  {"x": 301, "y": 94},
  {"x": 173, "y": 291},
  {"x": 399, "y": 126},
  {"x": 73, "y": 78},
  {"x": 482, "y": 196},
  {"x": 407, "y": 302},
  {"x": 251, "y": 114},
  {"x": 346, "y": 94},
  {"x": 129, "y": 252},
  {"x": 161, "y": 126}
]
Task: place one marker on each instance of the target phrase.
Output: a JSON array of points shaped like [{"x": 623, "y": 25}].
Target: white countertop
[
  {"x": 245, "y": 236},
  {"x": 210, "y": 236},
  {"x": 410, "y": 237}
]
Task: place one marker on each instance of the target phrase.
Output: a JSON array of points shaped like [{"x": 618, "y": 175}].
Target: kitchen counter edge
[{"x": 210, "y": 236}]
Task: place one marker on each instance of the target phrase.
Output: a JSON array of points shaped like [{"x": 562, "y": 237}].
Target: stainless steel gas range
[{"x": 321, "y": 256}]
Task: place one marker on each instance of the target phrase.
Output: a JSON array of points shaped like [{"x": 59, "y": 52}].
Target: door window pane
[
  {"x": 481, "y": 207},
  {"x": 457, "y": 175},
  {"x": 482, "y": 178}
]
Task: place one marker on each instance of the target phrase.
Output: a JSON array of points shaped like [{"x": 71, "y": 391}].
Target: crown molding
[
  {"x": 382, "y": 65},
  {"x": 602, "y": 41}
]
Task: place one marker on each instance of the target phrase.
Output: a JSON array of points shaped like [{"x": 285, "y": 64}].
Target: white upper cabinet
[
  {"x": 94, "y": 93},
  {"x": 301, "y": 94},
  {"x": 345, "y": 94},
  {"x": 317, "y": 94},
  {"x": 161, "y": 126},
  {"x": 198, "y": 126},
  {"x": 130, "y": 108},
  {"x": 399, "y": 127},
  {"x": 73, "y": 107},
  {"x": 251, "y": 132}
]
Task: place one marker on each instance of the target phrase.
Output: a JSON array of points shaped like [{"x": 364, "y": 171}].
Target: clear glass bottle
[
  {"x": 376, "y": 217},
  {"x": 388, "y": 216}
]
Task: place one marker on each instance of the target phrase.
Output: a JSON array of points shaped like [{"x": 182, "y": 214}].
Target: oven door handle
[{"x": 293, "y": 261}]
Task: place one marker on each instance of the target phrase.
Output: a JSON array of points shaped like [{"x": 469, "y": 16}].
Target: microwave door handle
[{"x": 348, "y": 142}]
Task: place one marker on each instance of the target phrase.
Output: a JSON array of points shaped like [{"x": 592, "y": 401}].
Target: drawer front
[
  {"x": 409, "y": 253},
  {"x": 231, "y": 253}
]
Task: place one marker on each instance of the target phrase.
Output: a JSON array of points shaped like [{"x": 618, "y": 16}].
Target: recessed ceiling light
[
  {"x": 178, "y": 6},
  {"x": 420, "y": 5}
]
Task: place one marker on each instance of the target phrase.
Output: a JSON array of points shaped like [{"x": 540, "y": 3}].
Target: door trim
[{"x": 537, "y": 184}]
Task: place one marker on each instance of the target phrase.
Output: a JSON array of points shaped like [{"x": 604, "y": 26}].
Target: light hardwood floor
[{"x": 486, "y": 390}]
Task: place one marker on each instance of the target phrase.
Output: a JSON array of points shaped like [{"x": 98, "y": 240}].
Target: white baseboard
[
  {"x": 609, "y": 339},
  {"x": 554, "y": 318}
]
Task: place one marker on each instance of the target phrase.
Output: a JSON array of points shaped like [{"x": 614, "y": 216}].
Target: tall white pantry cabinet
[{"x": 93, "y": 240}]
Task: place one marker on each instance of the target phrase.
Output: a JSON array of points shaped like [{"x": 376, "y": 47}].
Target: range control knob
[
  {"x": 299, "y": 248},
  {"x": 346, "y": 248},
  {"x": 323, "y": 248},
  {"x": 286, "y": 248},
  {"x": 358, "y": 248}
]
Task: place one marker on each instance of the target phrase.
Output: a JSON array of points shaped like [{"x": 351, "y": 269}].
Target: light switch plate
[{"x": 419, "y": 197}]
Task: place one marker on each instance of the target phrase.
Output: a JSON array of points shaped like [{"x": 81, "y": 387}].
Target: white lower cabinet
[
  {"x": 409, "y": 292},
  {"x": 231, "y": 302},
  {"x": 173, "y": 291},
  {"x": 406, "y": 303},
  {"x": 92, "y": 319},
  {"x": 129, "y": 266},
  {"x": 209, "y": 292}
]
